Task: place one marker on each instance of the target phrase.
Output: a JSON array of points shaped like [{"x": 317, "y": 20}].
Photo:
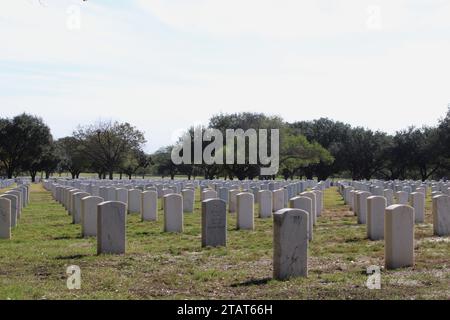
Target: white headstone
[
  {"x": 232, "y": 201},
  {"x": 173, "y": 213},
  {"x": 111, "y": 227},
  {"x": 111, "y": 194},
  {"x": 265, "y": 203},
  {"x": 319, "y": 204},
  {"x": 312, "y": 196},
  {"x": 14, "y": 207},
  {"x": 149, "y": 206},
  {"x": 76, "y": 215},
  {"x": 245, "y": 211},
  {"x": 389, "y": 195},
  {"x": 441, "y": 215},
  {"x": 5, "y": 218},
  {"x": 134, "y": 200},
  {"x": 89, "y": 215},
  {"x": 214, "y": 223},
  {"x": 376, "y": 207},
  {"x": 402, "y": 197},
  {"x": 278, "y": 199},
  {"x": 122, "y": 195},
  {"x": 290, "y": 244},
  {"x": 399, "y": 236},
  {"x": 305, "y": 204},
  {"x": 362, "y": 207},
  {"x": 418, "y": 203},
  {"x": 19, "y": 196},
  {"x": 209, "y": 194},
  {"x": 188, "y": 200}
]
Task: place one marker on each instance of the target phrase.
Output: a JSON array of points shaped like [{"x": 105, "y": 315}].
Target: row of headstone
[
  {"x": 85, "y": 209},
  {"x": 105, "y": 220},
  {"x": 358, "y": 201},
  {"x": 12, "y": 203},
  {"x": 293, "y": 227},
  {"x": 377, "y": 186},
  {"x": 94, "y": 186},
  {"x": 114, "y": 190},
  {"x": 6, "y": 183},
  {"x": 395, "y": 222},
  {"x": 291, "y": 231},
  {"x": 415, "y": 199}
]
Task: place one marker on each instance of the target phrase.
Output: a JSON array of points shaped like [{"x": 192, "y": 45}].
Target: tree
[
  {"x": 47, "y": 163},
  {"x": 365, "y": 152},
  {"x": 72, "y": 156},
  {"x": 427, "y": 152},
  {"x": 163, "y": 162},
  {"x": 298, "y": 153},
  {"x": 331, "y": 135},
  {"x": 136, "y": 159},
  {"x": 106, "y": 144},
  {"x": 23, "y": 140},
  {"x": 444, "y": 139},
  {"x": 244, "y": 121}
]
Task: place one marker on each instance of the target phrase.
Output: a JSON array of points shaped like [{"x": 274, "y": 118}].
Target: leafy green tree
[
  {"x": 297, "y": 153},
  {"x": 366, "y": 153},
  {"x": 73, "y": 156},
  {"x": 427, "y": 155},
  {"x": 23, "y": 140},
  {"x": 331, "y": 135},
  {"x": 47, "y": 163},
  {"x": 106, "y": 144},
  {"x": 133, "y": 161},
  {"x": 162, "y": 161},
  {"x": 244, "y": 121},
  {"x": 444, "y": 139}
]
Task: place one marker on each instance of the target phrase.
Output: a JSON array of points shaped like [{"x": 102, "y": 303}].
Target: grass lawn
[{"x": 174, "y": 266}]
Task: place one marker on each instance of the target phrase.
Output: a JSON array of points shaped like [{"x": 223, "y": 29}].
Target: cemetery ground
[{"x": 161, "y": 265}]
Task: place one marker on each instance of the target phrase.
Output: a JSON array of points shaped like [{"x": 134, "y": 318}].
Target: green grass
[{"x": 161, "y": 265}]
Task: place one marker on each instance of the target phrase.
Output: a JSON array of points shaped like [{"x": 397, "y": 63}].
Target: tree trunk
[
  {"x": 10, "y": 172},
  {"x": 111, "y": 175},
  {"x": 33, "y": 176}
]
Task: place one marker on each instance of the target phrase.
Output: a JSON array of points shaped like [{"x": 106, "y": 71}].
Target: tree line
[{"x": 321, "y": 148}]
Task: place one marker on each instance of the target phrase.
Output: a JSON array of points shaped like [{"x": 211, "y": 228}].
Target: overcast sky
[{"x": 164, "y": 65}]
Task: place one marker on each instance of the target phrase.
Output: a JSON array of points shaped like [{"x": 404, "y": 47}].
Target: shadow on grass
[
  {"x": 253, "y": 282},
  {"x": 355, "y": 239},
  {"x": 72, "y": 257},
  {"x": 68, "y": 237}
]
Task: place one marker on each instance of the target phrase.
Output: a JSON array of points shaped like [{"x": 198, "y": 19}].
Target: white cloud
[
  {"x": 33, "y": 32},
  {"x": 294, "y": 18}
]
